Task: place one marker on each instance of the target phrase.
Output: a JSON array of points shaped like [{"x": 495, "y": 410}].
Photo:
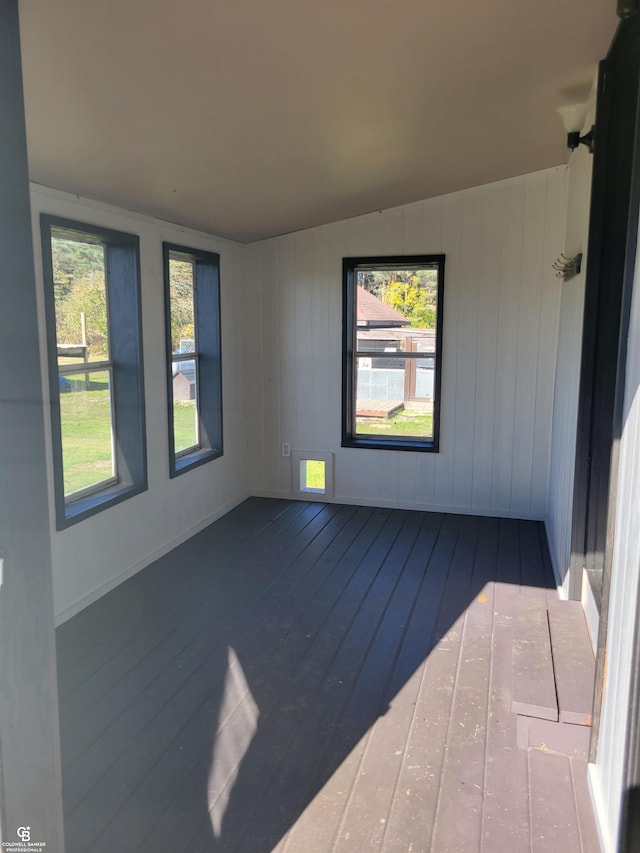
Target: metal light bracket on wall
[
  {"x": 574, "y": 139},
  {"x": 567, "y": 268}
]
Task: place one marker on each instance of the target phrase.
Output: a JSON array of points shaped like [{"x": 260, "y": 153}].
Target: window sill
[
  {"x": 85, "y": 507},
  {"x": 388, "y": 444},
  {"x": 193, "y": 460}
]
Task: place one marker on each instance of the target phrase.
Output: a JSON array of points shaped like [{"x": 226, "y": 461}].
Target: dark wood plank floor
[{"x": 306, "y": 678}]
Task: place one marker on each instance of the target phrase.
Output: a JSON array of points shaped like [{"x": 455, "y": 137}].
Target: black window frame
[
  {"x": 207, "y": 355},
  {"x": 350, "y": 266},
  {"x": 124, "y": 318}
]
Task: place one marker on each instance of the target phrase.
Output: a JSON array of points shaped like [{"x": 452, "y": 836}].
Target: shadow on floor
[{"x": 208, "y": 700}]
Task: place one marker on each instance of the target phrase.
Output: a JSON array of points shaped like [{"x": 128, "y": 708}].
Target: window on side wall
[
  {"x": 92, "y": 300},
  {"x": 194, "y": 377},
  {"x": 392, "y": 352}
]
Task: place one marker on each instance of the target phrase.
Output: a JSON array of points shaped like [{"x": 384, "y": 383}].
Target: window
[
  {"x": 194, "y": 376},
  {"x": 92, "y": 299},
  {"x": 392, "y": 352}
]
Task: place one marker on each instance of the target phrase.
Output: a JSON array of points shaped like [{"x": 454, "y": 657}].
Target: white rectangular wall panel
[
  {"x": 607, "y": 775},
  {"x": 567, "y": 381},
  {"x": 501, "y": 310}
]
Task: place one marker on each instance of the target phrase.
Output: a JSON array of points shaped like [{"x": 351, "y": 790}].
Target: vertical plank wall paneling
[
  {"x": 486, "y": 351},
  {"x": 288, "y": 351},
  {"x": 510, "y": 272},
  {"x": 266, "y": 372},
  {"x": 451, "y": 245},
  {"x": 501, "y": 312},
  {"x": 529, "y": 328},
  {"x": 462, "y": 351},
  {"x": 253, "y": 386},
  {"x": 607, "y": 775},
  {"x": 548, "y": 342},
  {"x": 567, "y": 379}
]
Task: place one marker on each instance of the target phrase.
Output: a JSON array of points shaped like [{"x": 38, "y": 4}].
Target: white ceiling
[{"x": 250, "y": 118}]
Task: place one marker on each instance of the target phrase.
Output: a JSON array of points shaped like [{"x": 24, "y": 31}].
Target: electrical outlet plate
[{"x": 286, "y": 448}]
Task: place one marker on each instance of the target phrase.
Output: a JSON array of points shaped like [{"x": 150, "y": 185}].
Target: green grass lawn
[
  {"x": 315, "y": 474},
  {"x": 184, "y": 425},
  {"x": 85, "y": 418},
  {"x": 413, "y": 424}
]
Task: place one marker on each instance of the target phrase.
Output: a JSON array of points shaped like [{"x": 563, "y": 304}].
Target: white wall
[
  {"x": 91, "y": 557},
  {"x": 607, "y": 774},
  {"x": 567, "y": 380},
  {"x": 282, "y": 351},
  {"x": 501, "y": 312},
  {"x": 565, "y": 406}
]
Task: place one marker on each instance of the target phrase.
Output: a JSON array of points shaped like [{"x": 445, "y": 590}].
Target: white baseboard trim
[
  {"x": 163, "y": 549},
  {"x": 358, "y": 501},
  {"x": 604, "y": 837},
  {"x": 130, "y": 571}
]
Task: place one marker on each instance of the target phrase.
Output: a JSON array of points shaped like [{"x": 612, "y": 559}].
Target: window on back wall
[
  {"x": 392, "y": 348},
  {"x": 192, "y": 288},
  {"x": 95, "y": 366}
]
